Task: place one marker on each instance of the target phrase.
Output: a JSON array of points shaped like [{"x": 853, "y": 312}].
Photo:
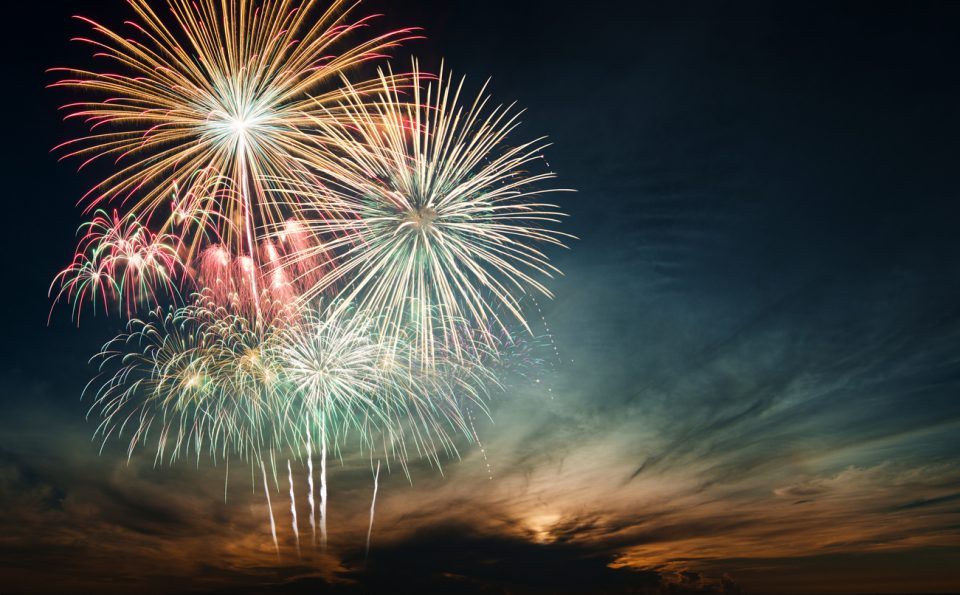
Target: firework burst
[
  {"x": 120, "y": 261},
  {"x": 342, "y": 379},
  {"x": 222, "y": 87},
  {"x": 433, "y": 219},
  {"x": 192, "y": 379}
]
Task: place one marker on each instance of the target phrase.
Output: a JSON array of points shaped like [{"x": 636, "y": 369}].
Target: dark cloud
[{"x": 456, "y": 558}]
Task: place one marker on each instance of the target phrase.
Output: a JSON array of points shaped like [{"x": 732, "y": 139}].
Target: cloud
[
  {"x": 82, "y": 523},
  {"x": 783, "y": 432},
  {"x": 458, "y": 559}
]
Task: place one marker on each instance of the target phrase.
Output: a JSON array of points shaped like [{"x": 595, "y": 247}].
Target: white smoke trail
[
  {"x": 310, "y": 500},
  {"x": 293, "y": 508},
  {"x": 273, "y": 525},
  {"x": 373, "y": 505}
]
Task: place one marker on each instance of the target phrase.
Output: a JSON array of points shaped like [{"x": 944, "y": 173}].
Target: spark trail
[
  {"x": 323, "y": 488},
  {"x": 293, "y": 508},
  {"x": 344, "y": 258},
  {"x": 273, "y": 524},
  {"x": 310, "y": 500},
  {"x": 373, "y": 505}
]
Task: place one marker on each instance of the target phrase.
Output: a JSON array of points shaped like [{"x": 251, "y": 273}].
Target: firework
[
  {"x": 205, "y": 379},
  {"x": 432, "y": 217},
  {"x": 195, "y": 378},
  {"x": 332, "y": 371},
  {"x": 355, "y": 254},
  {"x": 219, "y": 87},
  {"x": 342, "y": 379},
  {"x": 119, "y": 261}
]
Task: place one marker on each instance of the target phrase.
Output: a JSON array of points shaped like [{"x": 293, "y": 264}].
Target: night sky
[{"x": 758, "y": 327}]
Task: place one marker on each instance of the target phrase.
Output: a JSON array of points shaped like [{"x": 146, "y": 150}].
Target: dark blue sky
[{"x": 758, "y": 326}]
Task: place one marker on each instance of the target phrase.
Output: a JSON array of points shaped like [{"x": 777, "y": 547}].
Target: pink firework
[{"x": 120, "y": 261}]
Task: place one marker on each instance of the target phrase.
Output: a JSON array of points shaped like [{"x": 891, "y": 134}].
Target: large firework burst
[
  {"x": 433, "y": 218},
  {"x": 214, "y": 86}
]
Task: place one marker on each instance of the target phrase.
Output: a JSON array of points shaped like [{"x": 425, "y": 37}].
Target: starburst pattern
[
  {"x": 222, "y": 87},
  {"x": 433, "y": 219}
]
